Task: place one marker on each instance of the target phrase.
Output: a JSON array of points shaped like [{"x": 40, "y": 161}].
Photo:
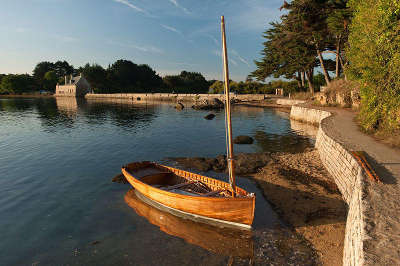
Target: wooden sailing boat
[{"x": 191, "y": 195}]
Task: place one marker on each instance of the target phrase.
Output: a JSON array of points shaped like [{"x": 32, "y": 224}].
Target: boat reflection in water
[{"x": 223, "y": 241}]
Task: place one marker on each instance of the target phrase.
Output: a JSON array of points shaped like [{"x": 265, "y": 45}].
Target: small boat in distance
[{"x": 191, "y": 195}]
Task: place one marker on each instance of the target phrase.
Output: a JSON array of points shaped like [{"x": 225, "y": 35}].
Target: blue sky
[{"x": 168, "y": 35}]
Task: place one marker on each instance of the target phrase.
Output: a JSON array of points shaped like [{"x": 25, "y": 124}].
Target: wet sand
[{"x": 305, "y": 196}]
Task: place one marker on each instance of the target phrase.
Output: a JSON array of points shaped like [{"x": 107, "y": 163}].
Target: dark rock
[
  {"x": 243, "y": 140},
  {"x": 220, "y": 164},
  {"x": 138, "y": 98},
  {"x": 210, "y": 116},
  {"x": 199, "y": 163},
  {"x": 95, "y": 242},
  {"x": 217, "y": 101},
  {"x": 120, "y": 179},
  {"x": 245, "y": 163},
  {"x": 179, "y": 106},
  {"x": 209, "y": 104},
  {"x": 249, "y": 163}
]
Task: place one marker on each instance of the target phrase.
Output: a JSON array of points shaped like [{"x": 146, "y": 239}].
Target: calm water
[{"x": 58, "y": 205}]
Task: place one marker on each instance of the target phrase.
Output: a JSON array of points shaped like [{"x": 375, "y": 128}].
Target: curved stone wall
[
  {"x": 289, "y": 102},
  {"x": 349, "y": 177}
]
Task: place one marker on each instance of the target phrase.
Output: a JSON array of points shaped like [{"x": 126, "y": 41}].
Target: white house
[{"x": 74, "y": 86}]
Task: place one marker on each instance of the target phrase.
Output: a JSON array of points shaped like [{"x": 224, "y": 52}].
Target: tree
[
  {"x": 62, "y": 68},
  {"x": 127, "y": 76},
  {"x": 123, "y": 74},
  {"x": 338, "y": 19},
  {"x": 96, "y": 75},
  {"x": 148, "y": 78},
  {"x": 217, "y": 87},
  {"x": 186, "y": 82},
  {"x": 17, "y": 84},
  {"x": 41, "y": 69},
  {"x": 307, "y": 19},
  {"x": 50, "y": 81},
  {"x": 295, "y": 46},
  {"x": 286, "y": 54}
]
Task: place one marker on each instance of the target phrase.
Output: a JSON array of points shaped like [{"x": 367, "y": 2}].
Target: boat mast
[{"x": 228, "y": 123}]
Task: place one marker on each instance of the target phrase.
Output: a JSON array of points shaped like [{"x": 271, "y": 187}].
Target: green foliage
[
  {"x": 17, "y": 84},
  {"x": 217, "y": 87},
  {"x": 60, "y": 69},
  {"x": 289, "y": 87},
  {"x": 186, "y": 82},
  {"x": 96, "y": 75},
  {"x": 319, "y": 81},
  {"x": 306, "y": 30},
  {"x": 50, "y": 81},
  {"x": 126, "y": 76},
  {"x": 374, "y": 56},
  {"x": 247, "y": 87}
]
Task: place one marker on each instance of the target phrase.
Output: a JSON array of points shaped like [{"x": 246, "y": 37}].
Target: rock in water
[
  {"x": 120, "y": 179},
  {"x": 243, "y": 140},
  {"x": 212, "y": 104},
  {"x": 210, "y": 116},
  {"x": 245, "y": 163},
  {"x": 179, "y": 106},
  {"x": 199, "y": 163}
]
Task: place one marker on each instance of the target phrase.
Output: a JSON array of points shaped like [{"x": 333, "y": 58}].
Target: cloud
[
  {"x": 214, "y": 39},
  {"x": 233, "y": 62},
  {"x": 146, "y": 49},
  {"x": 219, "y": 54},
  {"x": 21, "y": 30},
  {"x": 65, "y": 38},
  {"x": 129, "y": 4},
  {"x": 234, "y": 52},
  {"x": 175, "y": 2},
  {"x": 183, "y": 64},
  {"x": 171, "y": 29}
]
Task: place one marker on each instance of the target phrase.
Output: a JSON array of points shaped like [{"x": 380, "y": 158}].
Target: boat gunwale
[{"x": 177, "y": 195}]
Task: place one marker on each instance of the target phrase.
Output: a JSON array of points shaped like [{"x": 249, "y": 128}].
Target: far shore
[{"x": 26, "y": 96}]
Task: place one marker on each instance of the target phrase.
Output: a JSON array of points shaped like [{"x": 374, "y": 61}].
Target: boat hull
[{"x": 237, "y": 211}]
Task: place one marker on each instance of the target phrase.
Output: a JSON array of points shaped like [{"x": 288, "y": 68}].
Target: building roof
[{"x": 75, "y": 80}]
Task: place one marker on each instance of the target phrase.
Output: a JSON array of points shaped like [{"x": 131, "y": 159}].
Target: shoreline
[
  {"x": 300, "y": 190},
  {"x": 27, "y": 96},
  {"x": 264, "y": 103}
]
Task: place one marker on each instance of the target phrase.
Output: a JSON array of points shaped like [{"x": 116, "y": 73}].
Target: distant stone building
[{"x": 74, "y": 86}]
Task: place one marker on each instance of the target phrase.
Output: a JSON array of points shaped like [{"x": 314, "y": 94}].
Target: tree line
[
  {"x": 127, "y": 77},
  {"x": 123, "y": 76}
]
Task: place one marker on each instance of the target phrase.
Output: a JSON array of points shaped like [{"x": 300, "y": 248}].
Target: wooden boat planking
[
  {"x": 236, "y": 211},
  {"x": 217, "y": 240}
]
